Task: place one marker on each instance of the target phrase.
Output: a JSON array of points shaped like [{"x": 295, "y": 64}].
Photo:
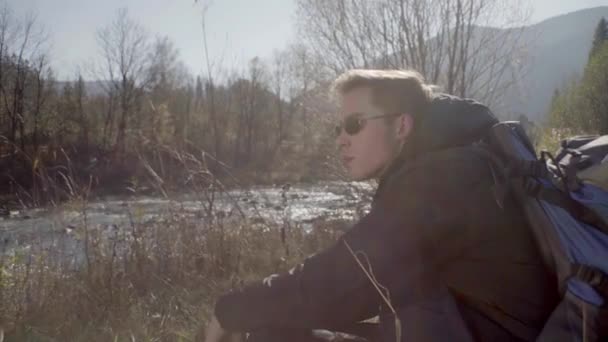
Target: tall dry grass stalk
[{"x": 149, "y": 280}]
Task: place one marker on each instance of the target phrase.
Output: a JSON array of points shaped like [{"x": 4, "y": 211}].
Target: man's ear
[{"x": 404, "y": 126}]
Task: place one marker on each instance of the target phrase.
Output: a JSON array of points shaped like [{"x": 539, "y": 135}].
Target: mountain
[{"x": 558, "y": 49}]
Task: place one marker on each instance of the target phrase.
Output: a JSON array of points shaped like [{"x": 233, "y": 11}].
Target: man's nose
[{"x": 342, "y": 140}]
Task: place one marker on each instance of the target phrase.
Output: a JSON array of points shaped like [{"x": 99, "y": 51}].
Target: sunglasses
[{"x": 355, "y": 122}]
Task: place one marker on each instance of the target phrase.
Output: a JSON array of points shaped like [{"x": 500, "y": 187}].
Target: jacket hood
[{"x": 449, "y": 121}]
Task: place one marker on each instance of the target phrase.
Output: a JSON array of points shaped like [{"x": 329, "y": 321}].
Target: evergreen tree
[
  {"x": 582, "y": 107},
  {"x": 595, "y": 89},
  {"x": 599, "y": 37}
]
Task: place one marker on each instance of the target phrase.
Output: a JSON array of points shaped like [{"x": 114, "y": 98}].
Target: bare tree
[
  {"x": 210, "y": 86},
  {"x": 22, "y": 45},
  {"x": 83, "y": 120},
  {"x": 6, "y": 40},
  {"x": 306, "y": 85},
  {"x": 470, "y": 47},
  {"x": 42, "y": 77},
  {"x": 250, "y": 104},
  {"x": 256, "y": 73},
  {"x": 239, "y": 88},
  {"x": 124, "y": 49},
  {"x": 165, "y": 71},
  {"x": 279, "y": 83},
  {"x": 167, "y": 85}
]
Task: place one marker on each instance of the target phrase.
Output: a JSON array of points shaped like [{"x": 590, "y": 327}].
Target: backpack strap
[
  {"x": 553, "y": 255},
  {"x": 597, "y": 279},
  {"x": 531, "y": 170},
  {"x": 528, "y": 168},
  {"x": 562, "y": 200}
]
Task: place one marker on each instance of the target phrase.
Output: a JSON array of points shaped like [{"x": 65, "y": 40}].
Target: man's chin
[
  {"x": 357, "y": 177},
  {"x": 364, "y": 175}
]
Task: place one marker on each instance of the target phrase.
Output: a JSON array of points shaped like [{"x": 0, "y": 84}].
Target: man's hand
[{"x": 215, "y": 333}]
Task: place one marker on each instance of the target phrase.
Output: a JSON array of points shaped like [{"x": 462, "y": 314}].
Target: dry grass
[
  {"x": 146, "y": 281},
  {"x": 154, "y": 282}
]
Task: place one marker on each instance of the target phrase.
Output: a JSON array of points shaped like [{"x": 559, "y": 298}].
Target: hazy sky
[{"x": 237, "y": 29}]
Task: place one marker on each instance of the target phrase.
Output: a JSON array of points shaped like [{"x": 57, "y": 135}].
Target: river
[{"x": 55, "y": 227}]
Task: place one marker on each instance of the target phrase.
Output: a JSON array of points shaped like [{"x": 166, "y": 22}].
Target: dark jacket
[{"x": 454, "y": 264}]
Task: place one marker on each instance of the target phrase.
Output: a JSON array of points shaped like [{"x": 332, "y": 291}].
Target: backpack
[{"x": 565, "y": 200}]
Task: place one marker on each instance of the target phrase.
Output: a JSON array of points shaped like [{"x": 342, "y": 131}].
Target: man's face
[{"x": 367, "y": 153}]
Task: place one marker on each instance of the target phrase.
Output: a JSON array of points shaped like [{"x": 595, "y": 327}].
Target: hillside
[{"x": 557, "y": 51}]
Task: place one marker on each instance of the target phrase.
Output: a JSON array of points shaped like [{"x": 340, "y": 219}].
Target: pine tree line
[{"x": 582, "y": 106}]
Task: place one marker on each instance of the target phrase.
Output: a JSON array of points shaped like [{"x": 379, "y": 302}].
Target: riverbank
[
  {"x": 151, "y": 268},
  {"x": 54, "y": 175},
  {"x": 162, "y": 286}
]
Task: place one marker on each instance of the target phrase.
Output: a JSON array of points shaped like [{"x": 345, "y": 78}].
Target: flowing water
[{"x": 54, "y": 228}]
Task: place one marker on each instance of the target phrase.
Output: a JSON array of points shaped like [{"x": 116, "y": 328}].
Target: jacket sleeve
[{"x": 398, "y": 242}]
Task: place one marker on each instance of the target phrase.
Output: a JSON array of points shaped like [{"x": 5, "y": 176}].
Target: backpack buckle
[{"x": 592, "y": 276}]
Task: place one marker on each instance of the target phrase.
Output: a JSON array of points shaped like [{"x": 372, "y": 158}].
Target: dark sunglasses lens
[{"x": 353, "y": 125}]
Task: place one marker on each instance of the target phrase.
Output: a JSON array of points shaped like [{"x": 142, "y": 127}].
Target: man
[{"x": 436, "y": 258}]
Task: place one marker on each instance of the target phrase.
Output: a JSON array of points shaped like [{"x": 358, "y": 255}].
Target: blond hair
[{"x": 395, "y": 91}]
